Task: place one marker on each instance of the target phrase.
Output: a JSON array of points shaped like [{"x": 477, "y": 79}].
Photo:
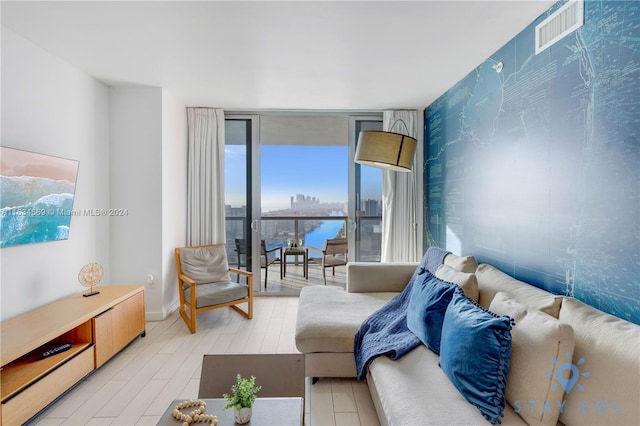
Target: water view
[
  {"x": 303, "y": 196},
  {"x": 328, "y": 229}
]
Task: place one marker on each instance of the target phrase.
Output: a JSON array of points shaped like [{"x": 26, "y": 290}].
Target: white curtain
[
  {"x": 205, "y": 180},
  {"x": 400, "y": 197}
]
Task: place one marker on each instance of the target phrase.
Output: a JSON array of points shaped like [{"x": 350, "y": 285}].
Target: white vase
[{"x": 242, "y": 415}]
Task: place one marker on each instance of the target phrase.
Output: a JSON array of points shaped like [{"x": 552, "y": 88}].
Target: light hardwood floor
[{"x": 137, "y": 386}]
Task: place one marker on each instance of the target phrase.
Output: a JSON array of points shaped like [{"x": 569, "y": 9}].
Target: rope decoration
[{"x": 196, "y": 415}]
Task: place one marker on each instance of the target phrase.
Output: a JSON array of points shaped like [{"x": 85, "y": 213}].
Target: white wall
[
  {"x": 136, "y": 186},
  {"x": 148, "y": 153},
  {"x": 174, "y": 193},
  {"x": 51, "y": 107},
  {"x": 131, "y": 144}
]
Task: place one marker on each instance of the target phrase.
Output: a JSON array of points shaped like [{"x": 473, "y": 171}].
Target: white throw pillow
[
  {"x": 538, "y": 348},
  {"x": 608, "y": 350},
  {"x": 467, "y": 264},
  {"x": 492, "y": 280},
  {"x": 466, "y": 281}
]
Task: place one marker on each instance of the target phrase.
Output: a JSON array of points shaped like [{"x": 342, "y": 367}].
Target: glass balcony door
[
  {"x": 242, "y": 194},
  {"x": 286, "y": 186},
  {"x": 304, "y": 190},
  {"x": 365, "y": 198}
]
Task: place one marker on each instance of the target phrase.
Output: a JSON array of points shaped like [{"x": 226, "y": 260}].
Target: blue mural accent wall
[{"x": 532, "y": 162}]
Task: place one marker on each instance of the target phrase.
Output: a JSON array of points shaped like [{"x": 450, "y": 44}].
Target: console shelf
[
  {"x": 29, "y": 369},
  {"x": 97, "y": 327}
]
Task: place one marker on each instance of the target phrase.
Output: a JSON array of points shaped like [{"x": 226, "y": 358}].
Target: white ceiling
[{"x": 277, "y": 55}]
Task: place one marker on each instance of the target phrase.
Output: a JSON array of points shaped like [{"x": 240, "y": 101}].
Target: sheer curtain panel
[
  {"x": 205, "y": 180},
  {"x": 400, "y": 198}
]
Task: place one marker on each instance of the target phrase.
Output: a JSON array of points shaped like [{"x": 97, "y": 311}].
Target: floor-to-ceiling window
[
  {"x": 289, "y": 180},
  {"x": 367, "y": 196},
  {"x": 238, "y": 186}
]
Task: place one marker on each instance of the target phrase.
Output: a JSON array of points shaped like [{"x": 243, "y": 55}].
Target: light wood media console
[{"x": 98, "y": 327}]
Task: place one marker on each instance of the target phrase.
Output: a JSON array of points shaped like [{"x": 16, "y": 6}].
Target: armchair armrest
[
  {"x": 366, "y": 277},
  {"x": 186, "y": 280},
  {"x": 241, "y": 272},
  {"x": 247, "y": 274},
  {"x": 271, "y": 250},
  {"x": 311, "y": 248}
]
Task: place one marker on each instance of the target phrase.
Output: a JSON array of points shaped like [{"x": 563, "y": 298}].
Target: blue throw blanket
[{"x": 385, "y": 332}]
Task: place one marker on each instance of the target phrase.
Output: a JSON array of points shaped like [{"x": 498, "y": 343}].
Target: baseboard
[
  {"x": 160, "y": 316},
  {"x": 154, "y": 316}
]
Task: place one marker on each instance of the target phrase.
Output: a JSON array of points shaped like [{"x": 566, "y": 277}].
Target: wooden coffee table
[
  {"x": 280, "y": 375},
  {"x": 265, "y": 412}
]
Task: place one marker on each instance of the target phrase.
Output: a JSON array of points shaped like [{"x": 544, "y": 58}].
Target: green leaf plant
[{"x": 244, "y": 393}]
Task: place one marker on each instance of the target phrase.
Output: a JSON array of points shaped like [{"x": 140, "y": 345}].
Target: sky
[{"x": 287, "y": 170}]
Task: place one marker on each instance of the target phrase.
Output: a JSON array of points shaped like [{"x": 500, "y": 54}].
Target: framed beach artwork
[{"x": 36, "y": 197}]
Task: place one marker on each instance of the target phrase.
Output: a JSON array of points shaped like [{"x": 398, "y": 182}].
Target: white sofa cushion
[
  {"x": 608, "y": 348},
  {"x": 415, "y": 391},
  {"x": 467, "y": 281},
  {"x": 329, "y": 317},
  {"x": 537, "y": 339},
  {"x": 492, "y": 280},
  {"x": 467, "y": 264},
  {"x": 369, "y": 277}
]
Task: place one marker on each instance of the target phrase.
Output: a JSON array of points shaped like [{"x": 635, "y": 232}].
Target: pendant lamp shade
[{"x": 386, "y": 150}]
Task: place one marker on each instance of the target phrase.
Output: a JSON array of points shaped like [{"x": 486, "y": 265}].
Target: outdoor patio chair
[
  {"x": 266, "y": 259},
  {"x": 334, "y": 254}
]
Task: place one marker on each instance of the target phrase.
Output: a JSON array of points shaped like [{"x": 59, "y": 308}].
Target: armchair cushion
[
  {"x": 205, "y": 264},
  {"x": 216, "y": 293}
]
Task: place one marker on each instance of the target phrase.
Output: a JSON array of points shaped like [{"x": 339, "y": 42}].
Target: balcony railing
[{"x": 309, "y": 231}]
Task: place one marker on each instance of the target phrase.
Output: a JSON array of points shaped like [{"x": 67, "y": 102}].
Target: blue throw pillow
[
  {"x": 428, "y": 302},
  {"x": 475, "y": 354}
]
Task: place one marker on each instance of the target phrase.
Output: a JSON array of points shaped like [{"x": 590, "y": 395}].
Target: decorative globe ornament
[{"x": 90, "y": 275}]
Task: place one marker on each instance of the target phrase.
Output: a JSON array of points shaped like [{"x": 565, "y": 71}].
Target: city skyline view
[
  {"x": 306, "y": 182},
  {"x": 289, "y": 170}
]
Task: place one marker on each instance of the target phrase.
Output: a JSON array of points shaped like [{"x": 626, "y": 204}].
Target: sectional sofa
[{"x": 569, "y": 363}]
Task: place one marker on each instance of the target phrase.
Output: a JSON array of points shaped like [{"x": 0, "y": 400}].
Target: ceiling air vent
[{"x": 560, "y": 23}]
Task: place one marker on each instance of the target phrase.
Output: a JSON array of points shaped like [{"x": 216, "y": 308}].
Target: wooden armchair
[
  {"x": 204, "y": 283},
  {"x": 334, "y": 254}
]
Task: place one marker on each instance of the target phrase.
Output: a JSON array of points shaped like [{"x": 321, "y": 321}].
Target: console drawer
[{"x": 25, "y": 404}]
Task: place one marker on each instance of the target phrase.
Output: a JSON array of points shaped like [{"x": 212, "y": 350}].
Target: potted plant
[{"x": 242, "y": 398}]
